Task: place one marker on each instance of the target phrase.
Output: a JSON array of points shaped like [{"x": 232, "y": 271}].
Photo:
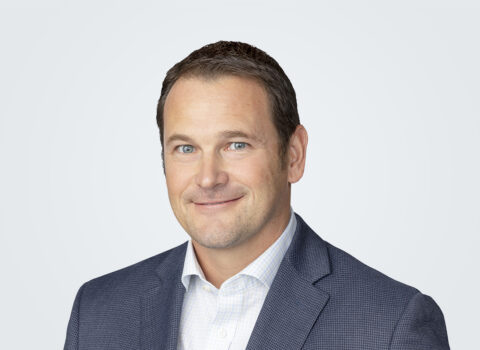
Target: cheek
[
  {"x": 250, "y": 172},
  {"x": 257, "y": 174},
  {"x": 177, "y": 181}
]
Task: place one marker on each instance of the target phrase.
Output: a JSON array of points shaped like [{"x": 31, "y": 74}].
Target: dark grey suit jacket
[{"x": 321, "y": 298}]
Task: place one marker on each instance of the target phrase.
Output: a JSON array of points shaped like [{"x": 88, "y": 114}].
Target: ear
[{"x": 297, "y": 151}]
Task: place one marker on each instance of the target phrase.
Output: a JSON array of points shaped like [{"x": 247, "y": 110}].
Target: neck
[{"x": 218, "y": 265}]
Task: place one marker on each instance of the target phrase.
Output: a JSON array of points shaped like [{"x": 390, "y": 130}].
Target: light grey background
[{"x": 389, "y": 92}]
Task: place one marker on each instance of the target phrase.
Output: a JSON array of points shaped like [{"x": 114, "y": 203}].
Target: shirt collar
[{"x": 263, "y": 268}]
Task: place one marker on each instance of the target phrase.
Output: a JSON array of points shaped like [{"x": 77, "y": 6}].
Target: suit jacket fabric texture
[{"x": 321, "y": 298}]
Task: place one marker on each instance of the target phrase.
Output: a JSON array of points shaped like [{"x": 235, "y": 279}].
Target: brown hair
[{"x": 244, "y": 60}]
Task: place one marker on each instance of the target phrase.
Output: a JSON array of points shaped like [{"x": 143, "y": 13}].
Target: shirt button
[
  {"x": 207, "y": 288},
  {"x": 222, "y": 333}
]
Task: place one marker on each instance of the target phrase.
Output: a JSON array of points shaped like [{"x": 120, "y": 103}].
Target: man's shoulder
[
  {"x": 346, "y": 266},
  {"x": 346, "y": 273},
  {"x": 380, "y": 310},
  {"x": 353, "y": 280},
  {"x": 134, "y": 278}
]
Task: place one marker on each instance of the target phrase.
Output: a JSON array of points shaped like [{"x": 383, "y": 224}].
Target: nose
[{"x": 210, "y": 172}]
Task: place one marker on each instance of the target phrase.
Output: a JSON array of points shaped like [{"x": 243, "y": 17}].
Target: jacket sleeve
[
  {"x": 421, "y": 326},
  {"x": 71, "y": 342}
]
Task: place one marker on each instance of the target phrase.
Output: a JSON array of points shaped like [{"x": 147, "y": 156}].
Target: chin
[{"x": 217, "y": 238}]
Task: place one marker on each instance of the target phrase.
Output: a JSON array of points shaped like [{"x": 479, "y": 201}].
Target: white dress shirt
[{"x": 221, "y": 319}]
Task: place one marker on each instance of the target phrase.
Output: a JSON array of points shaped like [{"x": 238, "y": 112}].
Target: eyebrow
[{"x": 223, "y": 134}]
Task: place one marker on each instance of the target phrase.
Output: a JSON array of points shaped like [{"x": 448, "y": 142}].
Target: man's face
[{"x": 222, "y": 166}]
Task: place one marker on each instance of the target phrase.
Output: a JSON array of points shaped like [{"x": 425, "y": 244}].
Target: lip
[{"x": 217, "y": 203}]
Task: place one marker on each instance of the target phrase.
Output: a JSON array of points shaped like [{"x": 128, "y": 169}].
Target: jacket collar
[{"x": 308, "y": 253}]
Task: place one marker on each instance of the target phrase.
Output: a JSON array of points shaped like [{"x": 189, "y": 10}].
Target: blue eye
[
  {"x": 186, "y": 148},
  {"x": 237, "y": 146}
]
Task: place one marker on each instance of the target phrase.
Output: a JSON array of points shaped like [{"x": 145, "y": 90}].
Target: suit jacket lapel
[
  {"x": 162, "y": 304},
  {"x": 293, "y": 303}
]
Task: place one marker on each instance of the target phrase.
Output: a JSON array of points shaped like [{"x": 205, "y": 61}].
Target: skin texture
[{"x": 223, "y": 171}]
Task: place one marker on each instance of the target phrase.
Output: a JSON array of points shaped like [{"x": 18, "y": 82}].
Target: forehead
[{"x": 203, "y": 105}]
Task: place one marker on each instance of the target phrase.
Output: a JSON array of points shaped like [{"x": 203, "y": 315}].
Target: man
[{"x": 253, "y": 275}]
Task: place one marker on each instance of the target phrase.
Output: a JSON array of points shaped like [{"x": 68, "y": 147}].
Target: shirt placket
[{"x": 228, "y": 312}]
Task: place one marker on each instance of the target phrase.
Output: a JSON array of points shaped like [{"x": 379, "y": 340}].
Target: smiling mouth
[{"x": 217, "y": 203}]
